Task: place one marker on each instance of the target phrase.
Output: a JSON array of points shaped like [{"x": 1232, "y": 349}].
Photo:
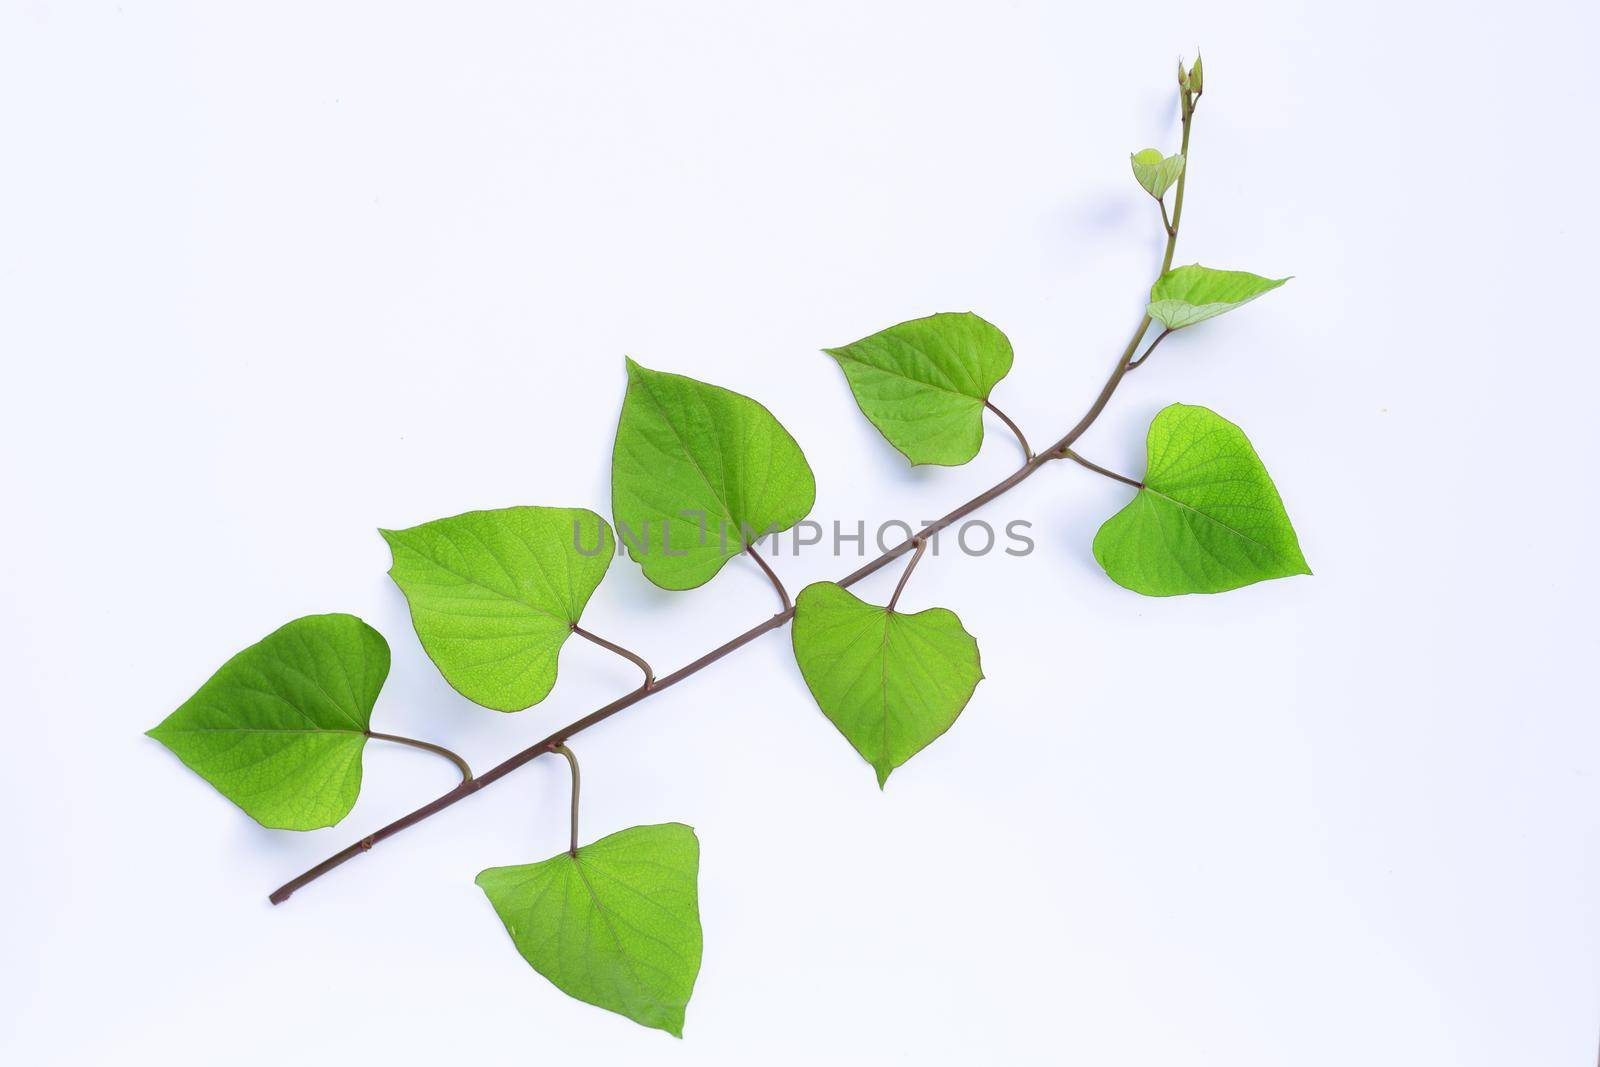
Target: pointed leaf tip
[
  {"x": 1186, "y": 295},
  {"x": 923, "y": 383},
  {"x": 279, "y": 729},
  {"x": 699, "y": 472},
  {"x": 495, "y": 594},
  {"x": 1208, "y": 518},
  {"x": 919, "y": 672},
  {"x": 617, "y": 926}
]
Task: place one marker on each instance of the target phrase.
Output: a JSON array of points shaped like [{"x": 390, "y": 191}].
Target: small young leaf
[
  {"x": 1186, "y": 295},
  {"x": 698, "y": 473},
  {"x": 616, "y": 926},
  {"x": 923, "y": 383},
  {"x": 280, "y": 727},
  {"x": 1208, "y": 518},
  {"x": 891, "y": 683},
  {"x": 495, "y": 594},
  {"x": 1155, "y": 173}
]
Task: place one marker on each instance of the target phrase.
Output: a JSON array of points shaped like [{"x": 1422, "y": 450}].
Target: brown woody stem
[{"x": 1060, "y": 449}]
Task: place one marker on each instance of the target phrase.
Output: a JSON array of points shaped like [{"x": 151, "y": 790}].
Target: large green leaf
[
  {"x": 617, "y": 925},
  {"x": 892, "y": 683},
  {"x": 495, "y": 594},
  {"x": 923, "y": 383},
  {"x": 697, "y": 474},
  {"x": 1208, "y": 518},
  {"x": 1155, "y": 172},
  {"x": 1186, "y": 295},
  {"x": 279, "y": 728}
]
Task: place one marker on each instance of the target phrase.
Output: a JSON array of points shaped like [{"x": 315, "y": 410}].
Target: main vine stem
[{"x": 555, "y": 741}]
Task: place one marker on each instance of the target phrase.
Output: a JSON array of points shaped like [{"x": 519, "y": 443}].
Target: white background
[{"x": 272, "y": 277}]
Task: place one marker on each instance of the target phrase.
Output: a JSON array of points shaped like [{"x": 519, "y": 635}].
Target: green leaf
[
  {"x": 280, "y": 727},
  {"x": 617, "y": 925},
  {"x": 1155, "y": 173},
  {"x": 892, "y": 683},
  {"x": 495, "y": 594},
  {"x": 923, "y": 383},
  {"x": 697, "y": 474},
  {"x": 1186, "y": 295},
  {"x": 1208, "y": 518}
]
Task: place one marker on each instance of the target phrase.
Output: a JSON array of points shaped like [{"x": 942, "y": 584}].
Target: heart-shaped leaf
[
  {"x": 1186, "y": 295},
  {"x": 1208, "y": 518},
  {"x": 495, "y": 594},
  {"x": 617, "y": 925},
  {"x": 892, "y": 683},
  {"x": 923, "y": 383},
  {"x": 1155, "y": 172},
  {"x": 280, "y": 727},
  {"x": 697, "y": 474}
]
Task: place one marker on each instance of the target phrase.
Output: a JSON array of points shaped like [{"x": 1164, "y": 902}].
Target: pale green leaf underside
[
  {"x": 1186, "y": 295},
  {"x": 495, "y": 594},
  {"x": 1155, "y": 172},
  {"x": 891, "y": 683},
  {"x": 280, "y": 727},
  {"x": 1208, "y": 518},
  {"x": 923, "y": 383},
  {"x": 698, "y": 473},
  {"x": 618, "y": 926}
]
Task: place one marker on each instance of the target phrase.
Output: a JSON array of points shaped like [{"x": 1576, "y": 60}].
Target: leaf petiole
[
  {"x": 1080, "y": 461},
  {"x": 636, "y": 660},
  {"x": 1027, "y": 453},
  {"x": 572, "y": 761},
  {"x": 427, "y": 746},
  {"x": 922, "y": 544},
  {"x": 783, "y": 594},
  {"x": 1159, "y": 338}
]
